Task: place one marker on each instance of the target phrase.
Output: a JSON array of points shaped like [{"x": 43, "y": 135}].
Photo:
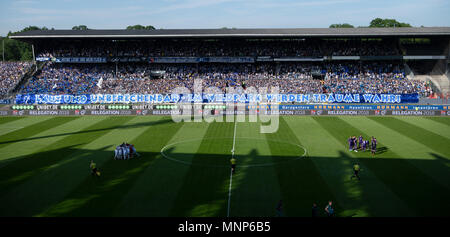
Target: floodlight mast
[{"x": 34, "y": 56}]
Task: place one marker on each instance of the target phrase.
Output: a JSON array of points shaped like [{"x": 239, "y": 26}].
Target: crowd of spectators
[
  {"x": 359, "y": 48},
  {"x": 163, "y": 78},
  {"x": 10, "y": 75},
  {"x": 67, "y": 79},
  {"x": 220, "y": 48}
]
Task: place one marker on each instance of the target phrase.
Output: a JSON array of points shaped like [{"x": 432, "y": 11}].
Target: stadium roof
[{"x": 212, "y": 33}]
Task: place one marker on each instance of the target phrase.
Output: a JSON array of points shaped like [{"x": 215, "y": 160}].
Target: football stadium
[{"x": 267, "y": 122}]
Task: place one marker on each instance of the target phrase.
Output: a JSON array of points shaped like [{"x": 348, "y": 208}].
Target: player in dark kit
[
  {"x": 354, "y": 141},
  {"x": 279, "y": 209},
  {"x": 374, "y": 146},
  {"x": 315, "y": 210},
  {"x": 360, "y": 141},
  {"x": 364, "y": 145},
  {"x": 350, "y": 144}
]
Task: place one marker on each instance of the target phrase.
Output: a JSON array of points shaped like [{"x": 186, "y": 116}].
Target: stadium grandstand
[
  {"x": 344, "y": 122},
  {"x": 309, "y": 60}
]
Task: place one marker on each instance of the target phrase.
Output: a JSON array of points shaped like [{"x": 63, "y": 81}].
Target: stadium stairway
[
  {"x": 409, "y": 73},
  {"x": 440, "y": 82},
  {"x": 438, "y": 76}
]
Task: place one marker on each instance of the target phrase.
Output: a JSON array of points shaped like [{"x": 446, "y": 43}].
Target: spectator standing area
[
  {"x": 10, "y": 75},
  {"x": 360, "y": 60}
]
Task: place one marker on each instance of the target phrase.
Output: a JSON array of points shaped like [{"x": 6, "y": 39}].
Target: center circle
[{"x": 249, "y": 152}]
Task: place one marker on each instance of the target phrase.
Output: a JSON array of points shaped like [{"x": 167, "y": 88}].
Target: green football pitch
[{"x": 184, "y": 168}]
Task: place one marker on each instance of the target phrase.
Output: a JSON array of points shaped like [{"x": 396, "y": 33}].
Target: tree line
[
  {"x": 16, "y": 50},
  {"x": 377, "y": 22},
  {"x": 134, "y": 27}
]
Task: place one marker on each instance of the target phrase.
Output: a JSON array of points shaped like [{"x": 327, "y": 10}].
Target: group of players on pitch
[
  {"x": 361, "y": 144},
  {"x": 125, "y": 151}
]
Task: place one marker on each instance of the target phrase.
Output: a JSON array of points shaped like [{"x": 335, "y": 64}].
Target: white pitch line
[
  {"x": 231, "y": 171},
  {"x": 229, "y": 193},
  {"x": 234, "y": 138}
]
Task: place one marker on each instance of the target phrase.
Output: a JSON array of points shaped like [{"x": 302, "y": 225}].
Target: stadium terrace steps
[
  {"x": 445, "y": 83},
  {"x": 409, "y": 73},
  {"x": 441, "y": 82}
]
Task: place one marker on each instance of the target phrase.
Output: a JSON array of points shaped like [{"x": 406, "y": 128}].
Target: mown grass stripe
[
  {"x": 255, "y": 190},
  {"x": 165, "y": 177},
  {"x": 410, "y": 184},
  {"x": 30, "y": 145},
  {"x": 31, "y": 167},
  {"x": 4, "y": 120},
  {"x": 335, "y": 165},
  {"x": 32, "y": 129},
  {"x": 205, "y": 189},
  {"x": 429, "y": 125},
  {"x": 100, "y": 197},
  {"x": 101, "y": 151},
  {"x": 19, "y": 124},
  {"x": 309, "y": 186},
  {"x": 443, "y": 120},
  {"x": 424, "y": 158},
  {"x": 430, "y": 139},
  {"x": 156, "y": 186}
]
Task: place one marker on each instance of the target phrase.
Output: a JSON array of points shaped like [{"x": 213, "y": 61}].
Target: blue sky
[{"x": 183, "y": 14}]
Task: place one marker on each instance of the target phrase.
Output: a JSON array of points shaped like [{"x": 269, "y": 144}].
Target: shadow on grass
[
  {"x": 441, "y": 158},
  {"x": 20, "y": 169},
  {"x": 414, "y": 187},
  {"x": 381, "y": 150},
  {"x": 101, "y": 196},
  {"x": 124, "y": 126}
]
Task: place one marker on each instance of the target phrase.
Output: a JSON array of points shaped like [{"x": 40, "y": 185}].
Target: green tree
[
  {"x": 12, "y": 52},
  {"x": 1, "y": 46},
  {"x": 140, "y": 27},
  {"x": 344, "y": 25},
  {"x": 378, "y": 22},
  {"x": 16, "y": 50},
  {"x": 30, "y": 28},
  {"x": 80, "y": 27}
]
